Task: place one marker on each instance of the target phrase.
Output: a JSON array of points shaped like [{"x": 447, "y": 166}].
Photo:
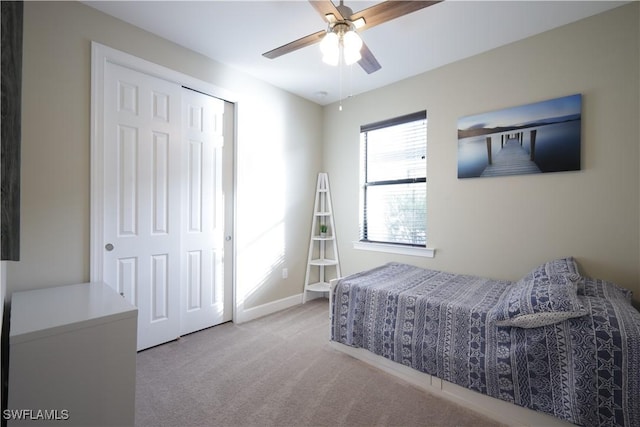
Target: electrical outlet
[{"x": 285, "y": 273}]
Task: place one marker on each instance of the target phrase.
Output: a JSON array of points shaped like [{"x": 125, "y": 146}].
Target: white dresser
[{"x": 72, "y": 357}]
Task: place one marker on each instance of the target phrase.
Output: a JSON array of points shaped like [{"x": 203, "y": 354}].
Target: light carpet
[{"x": 278, "y": 371}]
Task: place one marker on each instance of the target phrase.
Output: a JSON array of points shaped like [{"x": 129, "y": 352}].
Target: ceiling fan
[{"x": 341, "y": 19}]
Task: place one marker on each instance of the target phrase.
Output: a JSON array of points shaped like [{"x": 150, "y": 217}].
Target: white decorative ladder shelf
[{"x": 323, "y": 247}]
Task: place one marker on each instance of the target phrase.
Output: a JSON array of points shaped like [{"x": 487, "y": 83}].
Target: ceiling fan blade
[
  {"x": 368, "y": 62},
  {"x": 326, "y": 7},
  {"x": 295, "y": 45},
  {"x": 388, "y": 10}
]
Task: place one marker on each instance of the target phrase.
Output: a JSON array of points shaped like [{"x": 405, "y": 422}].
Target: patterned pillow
[
  {"x": 565, "y": 266},
  {"x": 599, "y": 288},
  {"x": 540, "y": 300}
]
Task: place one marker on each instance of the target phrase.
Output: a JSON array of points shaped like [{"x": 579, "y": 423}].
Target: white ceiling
[{"x": 237, "y": 32}]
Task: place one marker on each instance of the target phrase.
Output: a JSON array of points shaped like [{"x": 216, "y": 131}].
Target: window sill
[{"x": 395, "y": 249}]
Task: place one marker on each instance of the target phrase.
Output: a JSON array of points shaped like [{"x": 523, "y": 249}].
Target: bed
[{"x": 553, "y": 342}]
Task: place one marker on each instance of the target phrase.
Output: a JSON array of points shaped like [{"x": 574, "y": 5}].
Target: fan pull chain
[
  {"x": 340, "y": 65},
  {"x": 350, "y": 81}
]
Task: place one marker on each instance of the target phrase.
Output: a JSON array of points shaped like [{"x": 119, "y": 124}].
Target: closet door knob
[{"x": 108, "y": 247}]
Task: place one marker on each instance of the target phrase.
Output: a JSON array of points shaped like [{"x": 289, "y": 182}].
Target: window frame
[{"x": 391, "y": 247}]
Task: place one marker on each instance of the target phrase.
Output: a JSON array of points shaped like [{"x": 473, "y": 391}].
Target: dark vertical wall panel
[{"x": 12, "y": 14}]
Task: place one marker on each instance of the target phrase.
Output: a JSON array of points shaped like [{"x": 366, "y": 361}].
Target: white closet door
[
  {"x": 142, "y": 152},
  {"x": 203, "y": 226}
]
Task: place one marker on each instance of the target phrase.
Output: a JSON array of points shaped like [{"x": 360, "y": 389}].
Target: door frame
[{"x": 100, "y": 56}]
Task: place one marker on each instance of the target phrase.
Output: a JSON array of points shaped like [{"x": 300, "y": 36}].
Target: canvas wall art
[{"x": 528, "y": 139}]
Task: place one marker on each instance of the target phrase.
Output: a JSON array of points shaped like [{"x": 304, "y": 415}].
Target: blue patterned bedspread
[{"x": 584, "y": 370}]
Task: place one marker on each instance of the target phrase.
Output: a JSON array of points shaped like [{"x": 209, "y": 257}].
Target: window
[{"x": 393, "y": 172}]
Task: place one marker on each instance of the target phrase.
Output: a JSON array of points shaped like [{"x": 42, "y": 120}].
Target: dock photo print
[{"x": 528, "y": 139}]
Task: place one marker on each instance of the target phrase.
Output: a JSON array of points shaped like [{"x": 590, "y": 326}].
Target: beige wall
[
  {"x": 502, "y": 227},
  {"x": 276, "y": 131},
  {"x": 497, "y": 227}
]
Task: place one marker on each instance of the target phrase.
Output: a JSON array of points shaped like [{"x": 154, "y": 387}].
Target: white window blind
[{"x": 393, "y": 172}]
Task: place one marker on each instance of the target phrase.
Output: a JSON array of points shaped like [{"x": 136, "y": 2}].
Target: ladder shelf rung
[
  {"x": 318, "y": 287},
  {"x": 323, "y": 262}
]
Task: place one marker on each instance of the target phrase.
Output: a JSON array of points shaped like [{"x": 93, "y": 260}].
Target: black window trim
[{"x": 420, "y": 115}]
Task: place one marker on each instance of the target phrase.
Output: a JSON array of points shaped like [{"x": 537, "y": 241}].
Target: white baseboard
[{"x": 245, "y": 315}]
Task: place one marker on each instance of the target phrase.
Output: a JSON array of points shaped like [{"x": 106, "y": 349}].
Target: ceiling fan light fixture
[
  {"x": 359, "y": 23},
  {"x": 337, "y": 41},
  {"x": 351, "y": 58},
  {"x": 330, "y": 48},
  {"x": 330, "y": 43},
  {"x": 341, "y": 19},
  {"x": 331, "y": 18},
  {"x": 331, "y": 59},
  {"x": 352, "y": 44}
]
